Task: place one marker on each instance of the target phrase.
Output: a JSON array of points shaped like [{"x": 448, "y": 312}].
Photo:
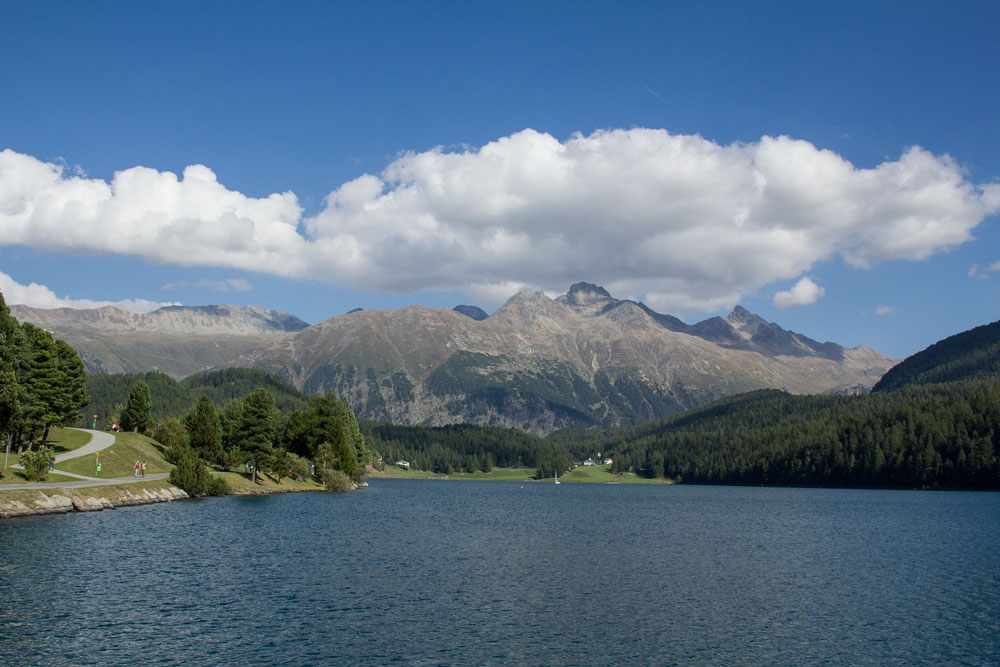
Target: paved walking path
[
  {"x": 99, "y": 441},
  {"x": 86, "y": 481}
]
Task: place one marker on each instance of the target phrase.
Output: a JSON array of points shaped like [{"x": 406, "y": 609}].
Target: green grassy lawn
[
  {"x": 582, "y": 474},
  {"x": 630, "y": 478},
  {"x": 63, "y": 440},
  {"x": 589, "y": 475},
  {"x": 119, "y": 459},
  {"x": 239, "y": 482},
  {"x": 18, "y": 477},
  {"x": 498, "y": 474},
  {"x": 602, "y": 475}
]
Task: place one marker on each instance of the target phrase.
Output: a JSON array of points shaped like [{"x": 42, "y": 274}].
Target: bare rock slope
[
  {"x": 177, "y": 340},
  {"x": 583, "y": 359}
]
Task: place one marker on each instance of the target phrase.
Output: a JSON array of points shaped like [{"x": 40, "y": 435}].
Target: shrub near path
[{"x": 61, "y": 440}]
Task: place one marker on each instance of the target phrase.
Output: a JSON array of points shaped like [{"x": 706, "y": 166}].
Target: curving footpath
[{"x": 99, "y": 441}]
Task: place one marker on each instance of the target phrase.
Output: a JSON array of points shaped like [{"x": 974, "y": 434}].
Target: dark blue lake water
[{"x": 430, "y": 572}]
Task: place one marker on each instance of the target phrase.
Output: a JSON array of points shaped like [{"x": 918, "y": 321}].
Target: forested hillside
[
  {"x": 972, "y": 354},
  {"x": 108, "y": 392},
  {"x": 939, "y": 436},
  {"x": 934, "y": 421},
  {"x": 464, "y": 448}
]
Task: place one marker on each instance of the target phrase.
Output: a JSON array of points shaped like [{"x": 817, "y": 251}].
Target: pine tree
[
  {"x": 230, "y": 418},
  {"x": 202, "y": 424},
  {"x": 42, "y": 380},
  {"x": 73, "y": 395},
  {"x": 354, "y": 447},
  {"x": 137, "y": 414},
  {"x": 257, "y": 429}
]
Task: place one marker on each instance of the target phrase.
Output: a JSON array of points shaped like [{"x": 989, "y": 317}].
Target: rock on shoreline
[{"x": 65, "y": 500}]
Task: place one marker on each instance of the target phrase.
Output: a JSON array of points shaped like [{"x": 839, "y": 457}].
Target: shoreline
[
  {"x": 63, "y": 500},
  {"x": 15, "y": 502}
]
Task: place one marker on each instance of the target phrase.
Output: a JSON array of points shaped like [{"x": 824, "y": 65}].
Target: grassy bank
[
  {"x": 239, "y": 483},
  {"x": 119, "y": 459},
  {"x": 63, "y": 440},
  {"x": 13, "y": 476},
  {"x": 581, "y": 474},
  {"x": 498, "y": 474}
]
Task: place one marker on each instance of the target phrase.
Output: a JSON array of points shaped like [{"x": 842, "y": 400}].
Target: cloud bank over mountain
[
  {"x": 686, "y": 223},
  {"x": 40, "y": 296}
]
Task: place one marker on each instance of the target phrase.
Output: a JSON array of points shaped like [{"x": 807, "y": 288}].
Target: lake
[{"x": 426, "y": 572}]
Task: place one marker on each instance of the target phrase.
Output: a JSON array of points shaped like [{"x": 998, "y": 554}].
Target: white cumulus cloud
[
  {"x": 802, "y": 293},
  {"x": 692, "y": 224},
  {"x": 885, "y": 310},
  {"x": 40, "y": 296}
]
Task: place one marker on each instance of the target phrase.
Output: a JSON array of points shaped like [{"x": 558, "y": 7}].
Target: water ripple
[{"x": 444, "y": 573}]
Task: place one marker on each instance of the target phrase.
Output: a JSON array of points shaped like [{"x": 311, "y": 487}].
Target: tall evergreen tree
[
  {"x": 230, "y": 417},
  {"x": 73, "y": 395},
  {"x": 202, "y": 424},
  {"x": 355, "y": 445},
  {"x": 42, "y": 380},
  {"x": 137, "y": 414},
  {"x": 256, "y": 429}
]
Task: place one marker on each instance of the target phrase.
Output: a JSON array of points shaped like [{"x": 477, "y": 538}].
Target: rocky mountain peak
[
  {"x": 742, "y": 316},
  {"x": 475, "y": 312},
  {"x": 587, "y": 292},
  {"x": 587, "y": 299}
]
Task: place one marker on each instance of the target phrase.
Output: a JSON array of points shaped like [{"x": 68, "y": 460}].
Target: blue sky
[{"x": 832, "y": 167}]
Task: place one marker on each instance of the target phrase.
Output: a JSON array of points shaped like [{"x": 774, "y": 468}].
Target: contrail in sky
[{"x": 655, "y": 94}]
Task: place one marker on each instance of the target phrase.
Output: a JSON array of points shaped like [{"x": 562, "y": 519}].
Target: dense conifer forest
[
  {"x": 107, "y": 392},
  {"x": 464, "y": 448},
  {"x": 933, "y": 422}
]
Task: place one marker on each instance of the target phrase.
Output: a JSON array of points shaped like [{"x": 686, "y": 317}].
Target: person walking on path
[
  {"x": 143, "y": 468},
  {"x": 137, "y": 467}
]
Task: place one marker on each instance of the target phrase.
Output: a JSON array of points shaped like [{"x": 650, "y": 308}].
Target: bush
[
  {"x": 335, "y": 480},
  {"x": 36, "y": 463},
  {"x": 191, "y": 475},
  {"x": 299, "y": 465},
  {"x": 217, "y": 486},
  {"x": 172, "y": 435}
]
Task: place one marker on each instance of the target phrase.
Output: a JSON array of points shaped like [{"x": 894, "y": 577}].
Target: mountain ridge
[{"x": 583, "y": 358}]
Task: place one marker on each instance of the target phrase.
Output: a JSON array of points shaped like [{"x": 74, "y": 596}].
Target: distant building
[
  {"x": 608, "y": 462},
  {"x": 589, "y": 462},
  {"x": 402, "y": 464}
]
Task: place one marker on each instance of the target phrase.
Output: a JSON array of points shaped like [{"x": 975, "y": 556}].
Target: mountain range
[{"x": 536, "y": 363}]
